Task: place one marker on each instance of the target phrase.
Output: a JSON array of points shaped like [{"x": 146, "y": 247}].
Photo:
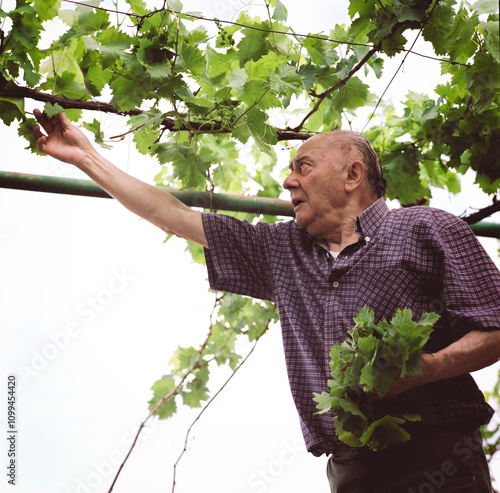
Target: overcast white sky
[{"x": 92, "y": 305}]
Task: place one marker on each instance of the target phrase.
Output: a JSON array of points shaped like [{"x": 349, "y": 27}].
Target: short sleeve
[
  {"x": 238, "y": 255},
  {"x": 471, "y": 282}
]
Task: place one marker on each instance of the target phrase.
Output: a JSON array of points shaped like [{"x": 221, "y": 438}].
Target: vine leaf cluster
[
  {"x": 371, "y": 358},
  {"x": 181, "y": 87}
]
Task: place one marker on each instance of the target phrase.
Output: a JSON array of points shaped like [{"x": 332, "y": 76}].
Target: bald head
[{"x": 356, "y": 147}]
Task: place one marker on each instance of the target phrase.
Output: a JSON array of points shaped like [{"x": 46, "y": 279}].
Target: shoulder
[
  {"x": 426, "y": 217},
  {"x": 431, "y": 226}
]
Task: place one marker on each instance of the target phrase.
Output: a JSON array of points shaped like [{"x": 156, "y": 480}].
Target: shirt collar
[{"x": 368, "y": 222}]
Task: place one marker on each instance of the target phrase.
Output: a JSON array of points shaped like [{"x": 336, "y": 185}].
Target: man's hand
[
  {"x": 401, "y": 385},
  {"x": 474, "y": 351},
  {"x": 63, "y": 141},
  {"x": 67, "y": 143}
]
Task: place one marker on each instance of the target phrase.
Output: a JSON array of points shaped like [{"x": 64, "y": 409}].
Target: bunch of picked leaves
[{"x": 370, "y": 359}]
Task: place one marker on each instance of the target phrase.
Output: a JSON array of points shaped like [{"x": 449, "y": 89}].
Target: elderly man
[{"x": 346, "y": 250}]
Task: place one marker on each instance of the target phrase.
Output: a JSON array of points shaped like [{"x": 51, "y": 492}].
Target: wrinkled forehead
[{"x": 331, "y": 144}]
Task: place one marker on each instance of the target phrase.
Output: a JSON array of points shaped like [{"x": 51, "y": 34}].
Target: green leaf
[
  {"x": 53, "y": 109},
  {"x": 127, "y": 93},
  {"x": 197, "y": 252},
  {"x": 365, "y": 8},
  {"x": 138, "y": 6},
  {"x": 428, "y": 319},
  {"x": 47, "y": 9},
  {"x": 65, "y": 59},
  {"x": 191, "y": 59},
  {"x": 111, "y": 44},
  {"x": 66, "y": 85},
  {"x": 26, "y": 131},
  {"x": 95, "y": 128},
  {"x": 411, "y": 10},
  {"x": 352, "y": 95},
  {"x": 462, "y": 44},
  {"x": 385, "y": 432},
  {"x": 238, "y": 78},
  {"x": 161, "y": 388},
  {"x": 11, "y": 109},
  {"x": 485, "y": 6},
  {"x": 401, "y": 169},
  {"x": 308, "y": 75},
  {"x": 394, "y": 44},
  {"x": 196, "y": 390},
  {"x": 323, "y": 400},
  {"x": 175, "y": 4},
  {"x": 368, "y": 345},
  {"x": 438, "y": 26},
  {"x": 254, "y": 123},
  {"x": 97, "y": 78},
  {"x": 280, "y": 12},
  {"x": 144, "y": 139},
  {"x": 190, "y": 163},
  {"x": 402, "y": 317},
  {"x": 219, "y": 63},
  {"x": 253, "y": 45},
  {"x": 349, "y": 406},
  {"x": 87, "y": 21},
  {"x": 184, "y": 359},
  {"x": 350, "y": 439},
  {"x": 412, "y": 417},
  {"x": 285, "y": 80},
  {"x": 365, "y": 317},
  {"x": 491, "y": 35}
]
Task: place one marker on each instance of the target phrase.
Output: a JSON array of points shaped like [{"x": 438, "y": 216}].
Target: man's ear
[{"x": 355, "y": 176}]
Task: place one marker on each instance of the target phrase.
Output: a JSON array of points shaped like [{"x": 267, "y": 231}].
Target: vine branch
[
  {"x": 170, "y": 394},
  {"x": 321, "y": 97},
  {"x": 184, "y": 450},
  {"x": 483, "y": 213},
  {"x": 169, "y": 124}
]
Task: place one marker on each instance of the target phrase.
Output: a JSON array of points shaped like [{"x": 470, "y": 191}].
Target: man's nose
[{"x": 290, "y": 181}]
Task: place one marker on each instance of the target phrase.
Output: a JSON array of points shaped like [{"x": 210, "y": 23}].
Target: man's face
[{"x": 317, "y": 184}]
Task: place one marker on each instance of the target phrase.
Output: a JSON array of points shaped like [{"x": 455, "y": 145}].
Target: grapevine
[{"x": 370, "y": 359}]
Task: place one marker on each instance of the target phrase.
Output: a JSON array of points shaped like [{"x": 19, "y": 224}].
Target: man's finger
[
  {"x": 38, "y": 133},
  {"x": 41, "y": 143},
  {"x": 63, "y": 120},
  {"x": 43, "y": 120}
]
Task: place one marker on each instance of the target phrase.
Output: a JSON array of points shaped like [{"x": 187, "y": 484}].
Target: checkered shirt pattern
[{"x": 419, "y": 258}]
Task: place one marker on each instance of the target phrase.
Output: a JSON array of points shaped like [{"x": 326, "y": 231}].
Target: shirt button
[
  {"x": 336, "y": 284},
  {"x": 367, "y": 239}
]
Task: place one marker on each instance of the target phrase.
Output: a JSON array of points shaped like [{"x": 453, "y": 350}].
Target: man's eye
[{"x": 303, "y": 166}]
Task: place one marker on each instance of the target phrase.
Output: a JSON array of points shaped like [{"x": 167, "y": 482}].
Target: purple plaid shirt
[{"x": 418, "y": 258}]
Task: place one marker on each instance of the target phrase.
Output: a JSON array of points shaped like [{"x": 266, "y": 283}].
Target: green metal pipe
[
  {"x": 192, "y": 198},
  {"x": 492, "y": 230}
]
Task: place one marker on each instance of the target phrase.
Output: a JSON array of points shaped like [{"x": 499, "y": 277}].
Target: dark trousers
[{"x": 437, "y": 461}]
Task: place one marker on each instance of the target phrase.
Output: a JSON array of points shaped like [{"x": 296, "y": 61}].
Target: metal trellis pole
[{"x": 192, "y": 198}]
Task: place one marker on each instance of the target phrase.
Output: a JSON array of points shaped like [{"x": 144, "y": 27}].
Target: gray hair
[{"x": 368, "y": 156}]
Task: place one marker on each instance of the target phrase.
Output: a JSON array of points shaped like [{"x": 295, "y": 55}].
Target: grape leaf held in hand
[{"x": 366, "y": 365}]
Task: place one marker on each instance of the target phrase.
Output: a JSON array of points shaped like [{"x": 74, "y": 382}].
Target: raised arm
[{"x": 67, "y": 143}]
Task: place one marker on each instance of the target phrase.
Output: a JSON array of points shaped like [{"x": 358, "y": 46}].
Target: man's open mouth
[{"x": 296, "y": 202}]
